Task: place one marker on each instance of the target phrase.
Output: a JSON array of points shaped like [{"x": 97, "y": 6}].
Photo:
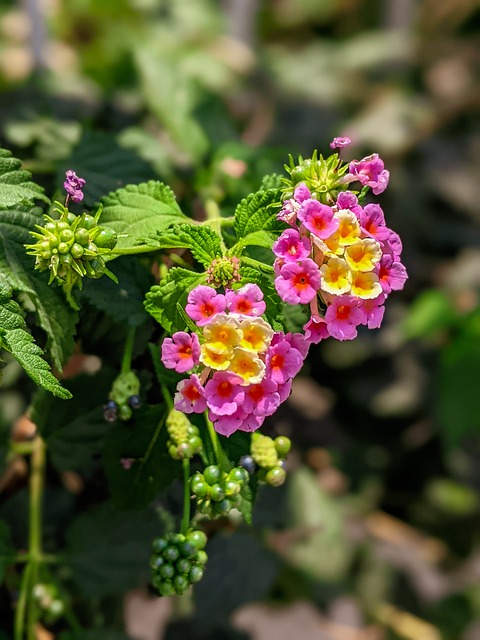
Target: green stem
[
  {"x": 214, "y": 219},
  {"x": 132, "y": 251},
  {"x": 213, "y": 439},
  {"x": 186, "y": 496},
  {"x": 27, "y": 607},
  {"x": 127, "y": 354}
]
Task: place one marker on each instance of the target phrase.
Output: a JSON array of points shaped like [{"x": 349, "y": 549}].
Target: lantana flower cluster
[
  {"x": 341, "y": 255},
  {"x": 242, "y": 369}
]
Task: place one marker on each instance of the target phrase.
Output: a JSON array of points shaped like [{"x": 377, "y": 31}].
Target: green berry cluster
[
  {"x": 123, "y": 398},
  {"x": 217, "y": 491},
  {"x": 184, "y": 440},
  {"x": 269, "y": 455},
  {"x": 178, "y": 561},
  {"x": 71, "y": 248}
]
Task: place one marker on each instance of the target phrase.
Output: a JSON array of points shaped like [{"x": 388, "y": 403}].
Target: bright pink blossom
[
  {"x": 296, "y": 340},
  {"x": 73, "y": 185},
  {"x": 369, "y": 172},
  {"x": 261, "y": 399},
  {"x": 316, "y": 330},
  {"x": 392, "y": 275},
  {"x": 392, "y": 245},
  {"x": 190, "y": 396},
  {"x": 283, "y": 362},
  {"x": 291, "y": 246},
  {"x": 224, "y": 393},
  {"x": 343, "y": 315},
  {"x": 203, "y": 303},
  {"x": 340, "y": 143},
  {"x": 181, "y": 352},
  {"x": 348, "y": 200},
  {"x": 301, "y": 192},
  {"x": 284, "y": 390},
  {"x": 372, "y": 221},
  {"x": 226, "y": 425},
  {"x": 247, "y": 301},
  {"x": 298, "y": 282},
  {"x": 251, "y": 422},
  {"x": 374, "y": 311},
  {"x": 318, "y": 218}
]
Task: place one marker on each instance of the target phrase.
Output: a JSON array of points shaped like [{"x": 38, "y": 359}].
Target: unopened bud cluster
[
  {"x": 183, "y": 437},
  {"x": 269, "y": 456},
  {"x": 124, "y": 397}
]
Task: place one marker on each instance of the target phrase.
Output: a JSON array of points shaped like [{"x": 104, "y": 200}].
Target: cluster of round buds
[
  {"x": 268, "y": 456},
  {"x": 183, "y": 437},
  {"x": 216, "y": 491},
  {"x": 223, "y": 272},
  {"x": 72, "y": 247},
  {"x": 178, "y": 561},
  {"x": 243, "y": 369},
  {"x": 341, "y": 254},
  {"x": 49, "y": 602},
  {"x": 123, "y": 398}
]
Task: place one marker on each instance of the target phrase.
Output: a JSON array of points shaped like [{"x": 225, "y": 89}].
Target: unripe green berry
[
  {"x": 88, "y": 221},
  {"x": 200, "y": 488},
  {"x": 195, "y": 575},
  {"x": 183, "y": 565},
  {"x": 217, "y": 493},
  {"x": 212, "y": 474},
  {"x": 159, "y": 544},
  {"x": 171, "y": 553},
  {"x": 125, "y": 412},
  {"x": 167, "y": 571},
  {"x": 201, "y": 557},
  {"x": 106, "y": 239},
  {"x": 184, "y": 450},
  {"x": 76, "y": 250},
  {"x": 282, "y": 445},
  {"x": 231, "y": 488},
  {"x": 53, "y": 242},
  {"x": 156, "y": 562},
  {"x": 238, "y": 474},
  {"x": 51, "y": 226},
  {"x": 63, "y": 247},
  {"x": 157, "y": 581},
  {"x": 66, "y": 235},
  {"x": 62, "y": 224},
  {"x": 205, "y": 507},
  {"x": 223, "y": 507},
  {"x": 195, "y": 443},
  {"x": 82, "y": 236},
  {"x": 276, "y": 476},
  {"x": 197, "y": 538},
  {"x": 188, "y": 549},
  {"x": 66, "y": 259},
  {"x": 176, "y": 538},
  {"x": 166, "y": 588},
  {"x": 71, "y": 217},
  {"x": 180, "y": 584}
]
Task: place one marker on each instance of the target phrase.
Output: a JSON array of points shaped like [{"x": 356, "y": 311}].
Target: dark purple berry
[
  {"x": 110, "y": 411},
  {"x": 248, "y": 463},
  {"x": 134, "y": 401}
]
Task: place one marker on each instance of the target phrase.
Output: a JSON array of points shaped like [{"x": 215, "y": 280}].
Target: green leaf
[
  {"x": 274, "y": 311},
  {"x": 19, "y": 342},
  {"x": 240, "y": 569},
  {"x": 144, "y": 445},
  {"x": 162, "y": 299},
  {"x": 138, "y": 211},
  {"x": 75, "y": 431},
  {"x": 258, "y": 211},
  {"x": 16, "y": 186},
  {"x": 204, "y": 243},
  {"x": 17, "y": 273},
  {"x": 104, "y": 165},
  {"x": 458, "y": 399},
  {"x": 7, "y": 551},
  {"x": 431, "y": 311},
  {"x": 256, "y": 238},
  {"x": 122, "y": 302},
  {"x": 108, "y": 550}
]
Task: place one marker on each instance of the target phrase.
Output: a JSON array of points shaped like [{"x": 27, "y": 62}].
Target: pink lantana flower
[
  {"x": 203, "y": 303},
  {"x": 369, "y": 172},
  {"x": 318, "y": 218},
  {"x": 392, "y": 275},
  {"x": 343, "y": 315},
  {"x": 298, "y": 282},
  {"x": 316, "y": 330},
  {"x": 392, "y": 245},
  {"x": 251, "y": 422},
  {"x": 225, "y": 425},
  {"x": 296, "y": 340},
  {"x": 374, "y": 311},
  {"x": 283, "y": 362},
  {"x": 340, "y": 142},
  {"x": 181, "y": 352},
  {"x": 284, "y": 390},
  {"x": 190, "y": 396},
  {"x": 291, "y": 246},
  {"x": 372, "y": 221},
  {"x": 288, "y": 213},
  {"x": 223, "y": 393},
  {"x": 348, "y": 200},
  {"x": 261, "y": 399},
  {"x": 247, "y": 301}
]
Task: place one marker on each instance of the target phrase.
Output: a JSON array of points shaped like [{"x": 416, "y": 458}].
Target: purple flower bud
[
  {"x": 340, "y": 143},
  {"x": 73, "y": 186}
]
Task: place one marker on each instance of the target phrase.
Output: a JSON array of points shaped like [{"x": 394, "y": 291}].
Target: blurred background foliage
[{"x": 375, "y": 535}]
